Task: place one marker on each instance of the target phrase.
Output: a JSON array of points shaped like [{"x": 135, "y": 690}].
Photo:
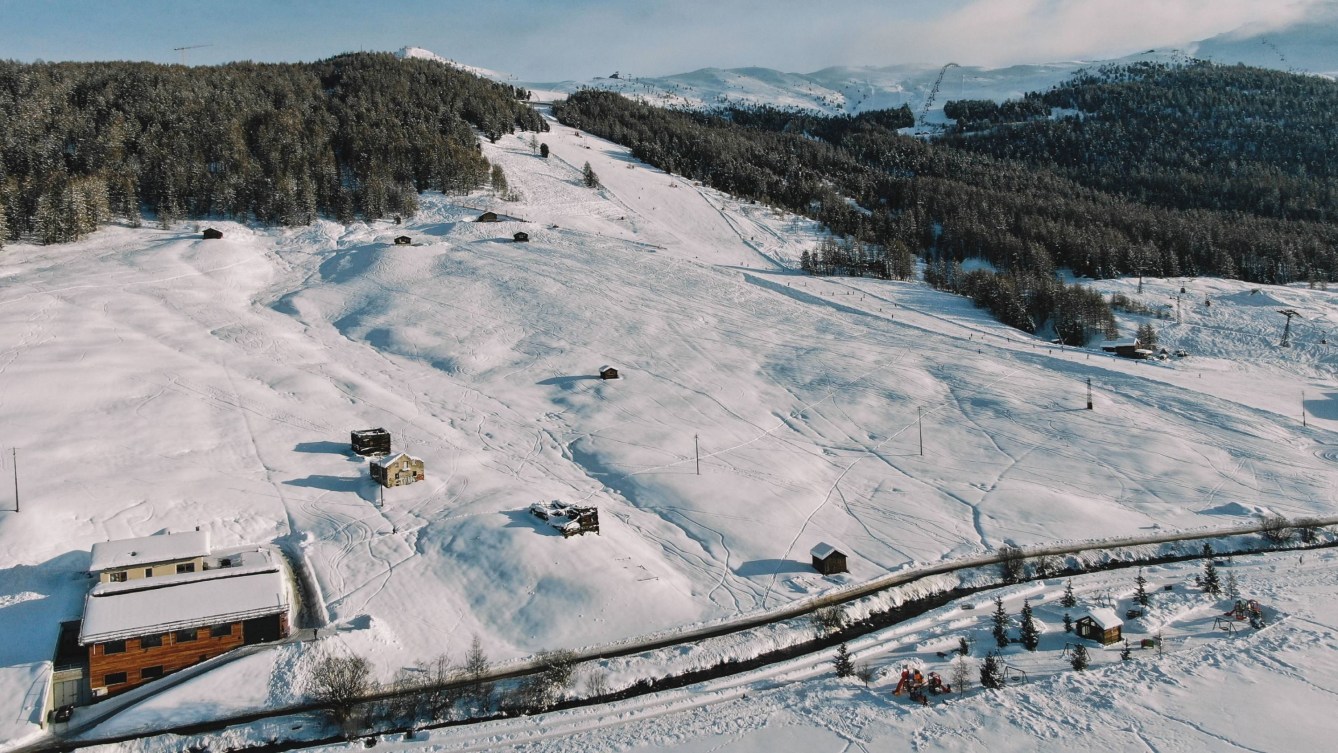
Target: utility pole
[
  {"x": 697, "y": 451},
  {"x": 14, "y": 454},
  {"x": 1089, "y": 393},
  {"x": 919, "y": 427},
  {"x": 16, "y": 494}
]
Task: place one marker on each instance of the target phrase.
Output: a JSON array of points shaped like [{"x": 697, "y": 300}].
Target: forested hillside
[
  {"x": 358, "y": 134},
  {"x": 1197, "y": 136}
]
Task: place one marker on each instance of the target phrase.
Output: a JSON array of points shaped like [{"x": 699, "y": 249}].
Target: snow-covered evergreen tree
[
  {"x": 1079, "y": 658},
  {"x": 1030, "y": 636},
  {"x": 1141, "y": 593},
  {"x": 845, "y": 667},
  {"x": 991, "y": 672},
  {"x": 1068, "y": 601},
  {"x": 1000, "y": 620},
  {"x": 1211, "y": 583}
]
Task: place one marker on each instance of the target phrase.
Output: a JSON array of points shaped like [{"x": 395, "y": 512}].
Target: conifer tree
[
  {"x": 991, "y": 672},
  {"x": 1068, "y": 601},
  {"x": 1211, "y": 583},
  {"x": 1126, "y": 653},
  {"x": 1000, "y": 620},
  {"x": 588, "y": 176},
  {"x": 543, "y": 151},
  {"x": 1079, "y": 659},
  {"x": 1030, "y": 635},
  {"x": 1232, "y": 587},
  {"x": 844, "y": 665},
  {"x": 1141, "y": 594},
  {"x": 1068, "y": 623}
]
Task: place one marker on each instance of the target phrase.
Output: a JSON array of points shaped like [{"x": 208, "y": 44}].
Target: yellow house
[{"x": 149, "y": 556}]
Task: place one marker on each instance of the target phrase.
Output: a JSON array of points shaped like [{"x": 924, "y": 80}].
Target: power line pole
[
  {"x": 16, "y": 496},
  {"x": 14, "y": 454},
  {"x": 697, "y": 451},
  {"x": 1089, "y": 393},
  {"x": 919, "y": 427}
]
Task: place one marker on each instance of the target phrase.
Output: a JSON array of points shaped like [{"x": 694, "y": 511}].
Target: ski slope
[{"x": 153, "y": 381}]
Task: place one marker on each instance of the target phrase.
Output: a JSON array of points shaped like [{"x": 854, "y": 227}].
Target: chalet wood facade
[
  {"x": 156, "y": 570},
  {"x": 112, "y": 670}
]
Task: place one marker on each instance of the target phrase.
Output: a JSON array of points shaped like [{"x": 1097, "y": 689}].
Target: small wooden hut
[
  {"x": 1100, "y": 625},
  {"x": 370, "y": 441},
  {"x": 403, "y": 240},
  {"x": 828, "y": 560},
  {"x": 608, "y": 372},
  {"x": 210, "y": 234},
  {"x": 521, "y": 237},
  {"x": 487, "y": 217}
]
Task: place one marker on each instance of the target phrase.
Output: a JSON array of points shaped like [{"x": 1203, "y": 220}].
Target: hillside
[{"x": 177, "y": 383}]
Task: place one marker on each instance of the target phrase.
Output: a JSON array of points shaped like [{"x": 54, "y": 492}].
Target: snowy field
[{"x": 153, "y": 381}]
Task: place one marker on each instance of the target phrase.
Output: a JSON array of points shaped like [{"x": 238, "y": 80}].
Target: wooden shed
[
  {"x": 211, "y": 234},
  {"x": 1100, "y": 625},
  {"x": 367, "y": 442},
  {"x": 521, "y": 237},
  {"x": 403, "y": 240},
  {"x": 487, "y": 217},
  {"x": 828, "y": 560},
  {"x": 608, "y": 372},
  {"x": 1129, "y": 347},
  {"x": 399, "y": 469}
]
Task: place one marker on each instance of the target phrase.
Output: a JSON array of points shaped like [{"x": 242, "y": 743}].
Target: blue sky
[{"x": 554, "y": 40}]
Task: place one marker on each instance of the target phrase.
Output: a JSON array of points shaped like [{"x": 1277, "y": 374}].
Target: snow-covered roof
[
  {"x": 823, "y": 551},
  {"x": 1105, "y": 618},
  {"x": 605, "y": 367},
  {"x": 179, "y": 606},
  {"x": 368, "y": 432},
  {"x": 1123, "y": 342},
  {"x": 247, "y": 562},
  {"x": 148, "y": 550},
  {"x": 390, "y": 460}
]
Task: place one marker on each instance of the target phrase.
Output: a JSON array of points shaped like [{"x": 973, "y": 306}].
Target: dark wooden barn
[
  {"x": 828, "y": 560},
  {"x": 487, "y": 217},
  {"x": 370, "y": 441},
  {"x": 521, "y": 237},
  {"x": 608, "y": 372},
  {"x": 1100, "y": 625},
  {"x": 403, "y": 240},
  {"x": 210, "y": 234}
]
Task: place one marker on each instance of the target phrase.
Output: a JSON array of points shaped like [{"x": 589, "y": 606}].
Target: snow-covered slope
[
  {"x": 154, "y": 381},
  {"x": 1309, "y": 45}
]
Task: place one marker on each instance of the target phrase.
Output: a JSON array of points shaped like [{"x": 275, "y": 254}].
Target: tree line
[{"x": 355, "y": 135}]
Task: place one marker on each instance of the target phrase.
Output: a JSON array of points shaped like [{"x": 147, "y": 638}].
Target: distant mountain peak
[{"x": 425, "y": 54}]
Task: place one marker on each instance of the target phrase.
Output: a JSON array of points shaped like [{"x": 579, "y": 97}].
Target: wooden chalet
[
  {"x": 210, "y": 234},
  {"x": 1100, "y": 625},
  {"x": 368, "y": 442},
  {"x": 521, "y": 237},
  {"x": 138, "y": 630},
  {"x": 1128, "y": 347},
  {"x": 828, "y": 560},
  {"x": 403, "y": 240},
  {"x": 608, "y": 372},
  {"x": 487, "y": 217},
  {"x": 398, "y": 469}
]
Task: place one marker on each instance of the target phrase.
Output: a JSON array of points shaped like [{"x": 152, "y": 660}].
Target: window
[
  {"x": 117, "y": 577},
  {"x": 149, "y": 673},
  {"x": 220, "y": 631},
  {"x": 151, "y": 641},
  {"x": 186, "y": 567},
  {"x": 114, "y": 647},
  {"x": 148, "y": 572},
  {"x": 115, "y": 678},
  {"x": 185, "y": 636}
]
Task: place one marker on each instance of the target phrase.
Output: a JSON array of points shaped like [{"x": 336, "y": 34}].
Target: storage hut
[
  {"x": 487, "y": 217},
  {"x": 521, "y": 237},
  {"x": 400, "y": 469},
  {"x": 608, "y": 372},
  {"x": 211, "y": 234},
  {"x": 1100, "y": 625},
  {"x": 403, "y": 240},
  {"x": 828, "y": 560},
  {"x": 1129, "y": 347},
  {"x": 368, "y": 442}
]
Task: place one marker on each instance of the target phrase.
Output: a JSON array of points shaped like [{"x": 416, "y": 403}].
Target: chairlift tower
[
  {"x": 1287, "y": 331},
  {"x": 182, "y": 50}
]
